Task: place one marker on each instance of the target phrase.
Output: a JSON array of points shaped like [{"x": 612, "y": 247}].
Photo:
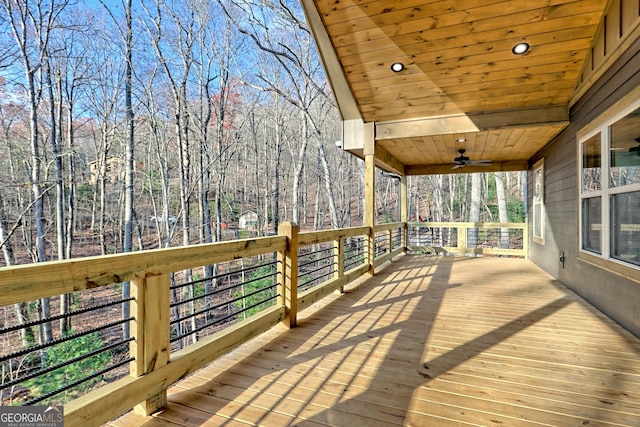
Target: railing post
[
  {"x": 150, "y": 331},
  {"x": 462, "y": 238},
  {"x": 404, "y": 214},
  {"x": 288, "y": 272},
  {"x": 338, "y": 261},
  {"x": 390, "y": 240}
]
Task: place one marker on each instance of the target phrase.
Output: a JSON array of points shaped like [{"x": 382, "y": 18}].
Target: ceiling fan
[
  {"x": 635, "y": 150},
  {"x": 631, "y": 151},
  {"x": 462, "y": 160}
]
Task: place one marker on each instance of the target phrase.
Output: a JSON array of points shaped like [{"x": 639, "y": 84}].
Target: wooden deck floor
[{"x": 430, "y": 341}]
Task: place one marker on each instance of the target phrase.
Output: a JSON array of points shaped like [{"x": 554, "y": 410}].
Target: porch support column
[
  {"x": 150, "y": 330},
  {"x": 288, "y": 273},
  {"x": 404, "y": 212},
  {"x": 370, "y": 191}
]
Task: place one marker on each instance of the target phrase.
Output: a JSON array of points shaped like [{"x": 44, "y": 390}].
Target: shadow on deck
[{"x": 427, "y": 341}]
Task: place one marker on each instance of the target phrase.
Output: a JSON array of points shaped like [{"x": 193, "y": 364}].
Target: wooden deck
[{"x": 430, "y": 341}]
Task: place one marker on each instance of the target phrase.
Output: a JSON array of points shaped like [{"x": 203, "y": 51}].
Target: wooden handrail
[
  {"x": 462, "y": 243},
  {"x": 387, "y": 227},
  {"x": 25, "y": 282}
]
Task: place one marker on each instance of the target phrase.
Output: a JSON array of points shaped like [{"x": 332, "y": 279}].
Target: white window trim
[
  {"x": 601, "y": 124},
  {"x": 539, "y": 165}
]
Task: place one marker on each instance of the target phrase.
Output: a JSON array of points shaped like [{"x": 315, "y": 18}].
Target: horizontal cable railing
[
  {"x": 57, "y": 357},
  {"x": 224, "y": 294},
  {"x": 315, "y": 265}
]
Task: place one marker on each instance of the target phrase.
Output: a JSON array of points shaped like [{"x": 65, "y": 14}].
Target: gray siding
[{"x": 614, "y": 295}]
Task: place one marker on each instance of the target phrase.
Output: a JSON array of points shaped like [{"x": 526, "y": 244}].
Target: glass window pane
[
  {"x": 591, "y": 164},
  {"x": 592, "y": 224},
  {"x": 625, "y": 227},
  {"x": 538, "y": 195},
  {"x": 625, "y": 151},
  {"x": 537, "y": 219}
]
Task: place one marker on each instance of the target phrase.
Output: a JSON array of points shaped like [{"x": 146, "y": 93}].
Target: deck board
[{"x": 429, "y": 341}]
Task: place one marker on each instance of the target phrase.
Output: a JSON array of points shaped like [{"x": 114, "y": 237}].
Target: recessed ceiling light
[
  {"x": 396, "y": 67},
  {"x": 520, "y": 48}
]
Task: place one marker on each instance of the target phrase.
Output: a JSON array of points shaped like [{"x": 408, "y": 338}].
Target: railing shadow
[{"x": 403, "y": 307}]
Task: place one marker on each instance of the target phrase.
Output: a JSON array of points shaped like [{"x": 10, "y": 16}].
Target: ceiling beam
[
  {"x": 341, "y": 90},
  {"x": 511, "y": 165},
  {"x": 386, "y": 161},
  {"x": 473, "y": 122}
]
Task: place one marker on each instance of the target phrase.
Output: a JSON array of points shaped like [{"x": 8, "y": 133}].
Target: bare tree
[
  {"x": 502, "y": 209},
  {"x": 32, "y": 24}
]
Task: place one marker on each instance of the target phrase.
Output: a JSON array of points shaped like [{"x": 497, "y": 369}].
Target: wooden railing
[
  {"x": 468, "y": 238},
  {"x": 154, "y": 367}
]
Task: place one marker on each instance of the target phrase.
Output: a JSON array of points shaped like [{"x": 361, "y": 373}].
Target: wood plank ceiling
[{"x": 461, "y": 80}]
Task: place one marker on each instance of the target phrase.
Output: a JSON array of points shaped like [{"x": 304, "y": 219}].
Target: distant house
[
  {"x": 248, "y": 220},
  {"x": 114, "y": 171}
]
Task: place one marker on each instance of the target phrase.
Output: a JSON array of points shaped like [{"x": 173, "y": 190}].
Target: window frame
[
  {"x": 538, "y": 166},
  {"x": 602, "y": 125}
]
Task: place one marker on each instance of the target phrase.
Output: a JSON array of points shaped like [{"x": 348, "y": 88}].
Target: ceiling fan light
[
  {"x": 520, "y": 48},
  {"x": 397, "y": 67}
]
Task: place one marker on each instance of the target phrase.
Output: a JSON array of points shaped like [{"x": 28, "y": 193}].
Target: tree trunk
[
  {"x": 297, "y": 174},
  {"x": 20, "y": 309},
  {"x": 474, "y": 211},
  {"x": 326, "y": 175},
  {"x": 129, "y": 156},
  {"x": 502, "y": 209}
]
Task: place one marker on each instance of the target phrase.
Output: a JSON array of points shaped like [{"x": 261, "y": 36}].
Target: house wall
[{"x": 613, "y": 294}]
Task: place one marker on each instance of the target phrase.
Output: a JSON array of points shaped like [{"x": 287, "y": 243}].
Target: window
[
  {"x": 538, "y": 202},
  {"x": 609, "y": 159}
]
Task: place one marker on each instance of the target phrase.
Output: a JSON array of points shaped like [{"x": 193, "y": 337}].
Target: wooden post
[
  {"x": 288, "y": 272},
  {"x": 338, "y": 261},
  {"x": 404, "y": 213},
  {"x": 370, "y": 198},
  {"x": 151, "y": 344},
  {"x": 462, "y": 238}
]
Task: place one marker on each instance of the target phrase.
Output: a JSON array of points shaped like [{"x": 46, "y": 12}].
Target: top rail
[
  {"x": 25, "y": 282},
  {"x": 387, "y": 227},
  {"x": 311, "y": 238}
]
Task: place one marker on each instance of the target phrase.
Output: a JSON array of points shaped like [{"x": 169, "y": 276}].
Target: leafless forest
[{"x": 137, "y": 124}]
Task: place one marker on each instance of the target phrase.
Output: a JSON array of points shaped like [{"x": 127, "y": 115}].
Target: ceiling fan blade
[
  {"x": 457, "y": 166},
  {"x": 479, "y": 162}
]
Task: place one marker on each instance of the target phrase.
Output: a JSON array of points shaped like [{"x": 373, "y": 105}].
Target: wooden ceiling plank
[
  {"x": 537, "y": 32},
  {"x": 457, "y": 47},
  {"x": 469, "y": 92},
  {"x": 417, "y": 91},
  {"x": 416, "y": 81},
  {"x": 465, "y": 57},
  {"x": 522, "y": 11},
  {"x": 415, "y": 31},
  {"x": 571, "y": 61},
  {"x": 385, "y": 11},
  {"x": 490, "y": 144}
]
